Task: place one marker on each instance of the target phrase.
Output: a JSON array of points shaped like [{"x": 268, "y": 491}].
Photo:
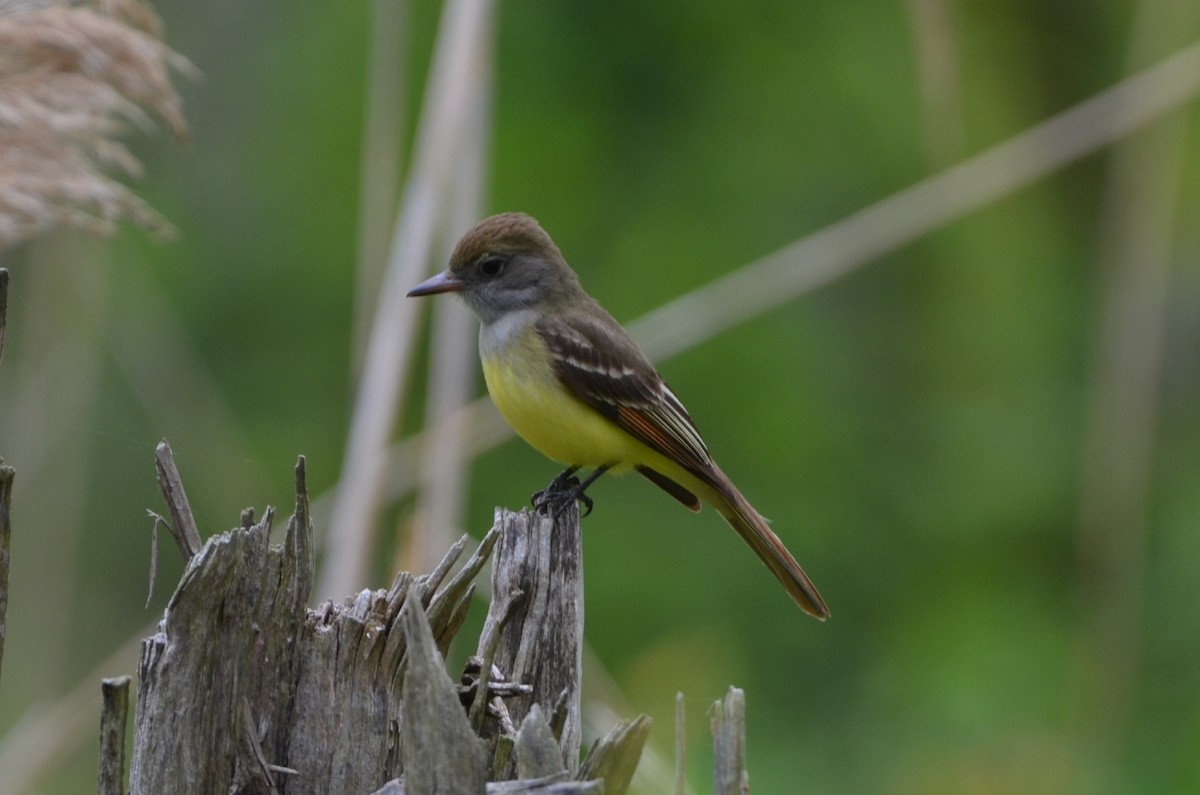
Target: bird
[{"x": 574, "y": 385}]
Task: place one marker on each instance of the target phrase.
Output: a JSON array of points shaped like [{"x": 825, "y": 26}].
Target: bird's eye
[{"x": 492, "y": 266}]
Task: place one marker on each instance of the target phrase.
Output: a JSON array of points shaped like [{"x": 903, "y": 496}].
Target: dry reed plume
[{"x": 73, "y": 77}]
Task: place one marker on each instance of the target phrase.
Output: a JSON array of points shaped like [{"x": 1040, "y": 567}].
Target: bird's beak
[{"x": 441, "y": 283}]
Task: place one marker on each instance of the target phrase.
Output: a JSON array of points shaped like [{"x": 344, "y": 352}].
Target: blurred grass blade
[
  {"x": 936, "y": 51},
  {"x": 1136, "y": 250},
  {"x": 379, "y": 165},
  {"x": 463, "y": 30},
  {"x": 453, "y": 358}
]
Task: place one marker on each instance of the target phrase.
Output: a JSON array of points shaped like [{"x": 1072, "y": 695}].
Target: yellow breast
[{"x": 526, "y": 390}]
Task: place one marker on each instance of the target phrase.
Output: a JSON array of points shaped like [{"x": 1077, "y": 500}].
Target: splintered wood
[{"x": 244, "y": 689}]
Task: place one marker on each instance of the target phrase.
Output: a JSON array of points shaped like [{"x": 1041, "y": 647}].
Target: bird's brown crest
[{"x": 504, "y": 233}]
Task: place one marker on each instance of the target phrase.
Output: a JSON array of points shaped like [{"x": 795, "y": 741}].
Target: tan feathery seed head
[{"x": 72, "y": 79}]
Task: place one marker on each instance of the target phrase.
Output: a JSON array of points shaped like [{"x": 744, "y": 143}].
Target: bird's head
[{"x": 505, "y": 264}]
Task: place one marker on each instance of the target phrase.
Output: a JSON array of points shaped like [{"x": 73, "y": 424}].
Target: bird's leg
[
  {"x": 566, "y": 488},
  {"x": 582, "y": 487}
]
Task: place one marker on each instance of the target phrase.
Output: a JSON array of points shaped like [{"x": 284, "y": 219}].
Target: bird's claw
[
  {"x": 563, "y": 491},
  {"x": 558, "y": 488}
]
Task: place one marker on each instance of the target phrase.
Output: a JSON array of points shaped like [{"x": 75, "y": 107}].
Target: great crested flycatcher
[{"x": 575, "y": 385}]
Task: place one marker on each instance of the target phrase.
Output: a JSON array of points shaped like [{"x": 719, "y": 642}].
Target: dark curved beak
[{"x": 441, "y": 283}]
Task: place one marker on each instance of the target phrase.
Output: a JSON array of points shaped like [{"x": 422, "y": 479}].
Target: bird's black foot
[
  {"x": 553, "y": 503},
  {"x": 564, "y": 490},
  {"x": 563, "y": 481}
]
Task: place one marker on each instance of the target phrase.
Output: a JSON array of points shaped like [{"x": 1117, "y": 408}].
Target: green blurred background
[{"x": 919, "y": 431}]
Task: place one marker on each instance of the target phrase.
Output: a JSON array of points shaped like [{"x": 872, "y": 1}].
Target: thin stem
[
  {"x": 379, "y": 166},
  {"x": 1135, "y": 251},
  {"x": 445, "y": 463},
  {"x": 390, "y": 351}
]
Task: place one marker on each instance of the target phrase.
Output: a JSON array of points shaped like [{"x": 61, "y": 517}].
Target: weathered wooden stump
[{"x": 244, "y": 689}]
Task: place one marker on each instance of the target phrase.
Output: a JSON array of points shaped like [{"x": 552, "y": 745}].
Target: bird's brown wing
[{"x": 607, "y": 371}]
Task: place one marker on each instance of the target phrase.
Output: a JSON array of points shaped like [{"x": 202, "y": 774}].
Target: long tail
[{"x": 770, "y": 550}]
